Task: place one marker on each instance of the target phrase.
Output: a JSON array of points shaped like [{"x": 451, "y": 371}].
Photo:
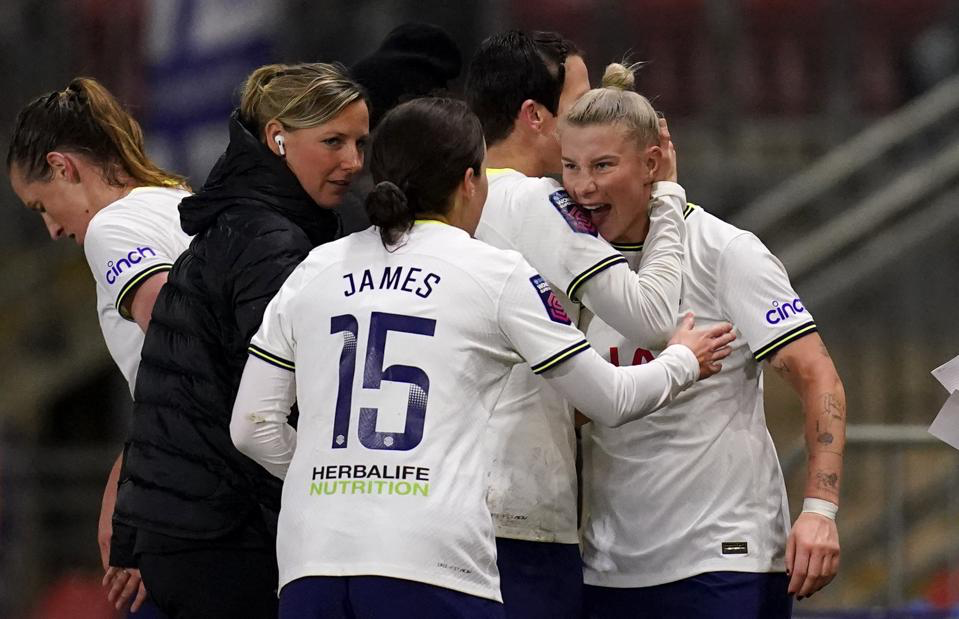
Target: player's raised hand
[
  {"x": 709, "y": 344},
  {"x": 667, "y": 170},
  {"x": 812, "y": 554}
]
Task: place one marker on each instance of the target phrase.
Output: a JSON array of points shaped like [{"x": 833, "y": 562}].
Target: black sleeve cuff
[
  {"x": 564, "y": 355},
  {"x": 135, "y": 281},
  {"x": 582, "y": 278},
  {"x": 272, "y": 359},
  {"x": 770, "y": 349}
]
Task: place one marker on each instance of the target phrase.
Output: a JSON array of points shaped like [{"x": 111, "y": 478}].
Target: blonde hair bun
[
  {"x": 617, "y": 103},
  {"x": 619, "y": 76}
]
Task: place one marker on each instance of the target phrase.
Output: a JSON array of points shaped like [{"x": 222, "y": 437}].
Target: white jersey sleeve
[
  {"x": 258, "y": 427},
  {"x": 554, "y": 234},
  {"x": 121, "y": 255},
  {"x": 274, "y": 341},
  {"x": 542, "y": 334},
  {"x": 755, "y": 293},
  {"x": 534, "y": 322},
  {"x": 643, "y": 305},
  {"x": 613, "y": 395}
]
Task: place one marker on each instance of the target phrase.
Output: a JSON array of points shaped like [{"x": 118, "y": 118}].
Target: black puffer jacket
[{"x": 253, "y": 223}]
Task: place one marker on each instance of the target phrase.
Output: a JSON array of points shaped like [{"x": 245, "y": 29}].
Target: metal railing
[{"x": 863, "y": 151}]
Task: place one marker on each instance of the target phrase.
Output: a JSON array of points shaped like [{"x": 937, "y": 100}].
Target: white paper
[
  {"x": 948, "y": 375},
  {"x": 945, "y": 426}
]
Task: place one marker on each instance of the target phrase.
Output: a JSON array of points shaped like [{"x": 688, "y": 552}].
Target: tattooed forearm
[
  {"x": 827, "y": 480},
  {"x": 830, "y": 424},
  {"x": 833, "y": 406}
]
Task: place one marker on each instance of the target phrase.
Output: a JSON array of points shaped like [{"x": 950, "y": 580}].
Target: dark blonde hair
[
  {"x": 616, "y": 102},
  {"x": 299, "y": 96},
  {"x": 84, "y": 118}
]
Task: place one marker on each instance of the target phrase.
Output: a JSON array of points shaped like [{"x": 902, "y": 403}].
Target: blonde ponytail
[{"x": 126, "y": 136}]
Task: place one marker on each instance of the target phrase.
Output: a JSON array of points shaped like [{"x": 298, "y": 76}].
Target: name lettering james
[{"x": 390, "y": 279}]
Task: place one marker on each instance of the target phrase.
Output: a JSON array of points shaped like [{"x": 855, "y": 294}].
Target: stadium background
[{"x": 828, "y": 127}]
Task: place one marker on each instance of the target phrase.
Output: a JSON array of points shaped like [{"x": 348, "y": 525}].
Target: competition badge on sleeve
[
  {"x": 575, "y": 216},
  {"x": 554, "y": 309}
]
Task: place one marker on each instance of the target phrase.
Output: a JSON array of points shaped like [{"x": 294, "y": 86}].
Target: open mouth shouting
[{"x": 598, "y": 212}]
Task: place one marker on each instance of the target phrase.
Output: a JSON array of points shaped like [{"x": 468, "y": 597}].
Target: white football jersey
[
  {"x": 532, "y": 488},
  {"x": 396, "y": 377},
  {"x": 696, "y": 486},
  {"x": 532, "y": 484},
  {"x": 130, "y": 240}
]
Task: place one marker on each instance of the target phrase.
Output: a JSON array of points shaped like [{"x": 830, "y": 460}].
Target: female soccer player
[
  {"x": 400, "y": 339},
  {"x": 76, "y": 157},
  {"x": 519, "y": 85},
  {"x": 205, "y": 515},
  {"x": 687, "y": 517}
]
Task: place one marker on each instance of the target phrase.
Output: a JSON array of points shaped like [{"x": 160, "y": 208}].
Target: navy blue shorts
[
  {"x": 713, "y": 595},
  {"x": 372, "y": 597},
  {"x": 540, "y": 580}
]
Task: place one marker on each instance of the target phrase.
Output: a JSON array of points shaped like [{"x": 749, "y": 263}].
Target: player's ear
[
  {"x": 531, "y": 115},
  {"x": 653, "y": 159},
  {"x": 63, "y": 166},
  {"x": 469, "y": 183}
]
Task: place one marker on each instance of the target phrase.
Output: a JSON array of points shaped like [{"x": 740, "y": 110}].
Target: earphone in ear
[{"x": 280, "y": 144}]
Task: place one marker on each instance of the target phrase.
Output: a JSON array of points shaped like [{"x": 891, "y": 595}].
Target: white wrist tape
[{"x": 821, "y": 507}]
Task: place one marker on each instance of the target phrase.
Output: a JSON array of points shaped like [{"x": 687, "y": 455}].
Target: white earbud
[{"x": 280, "y": 144}]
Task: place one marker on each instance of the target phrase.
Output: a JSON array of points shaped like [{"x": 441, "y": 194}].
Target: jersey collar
[{"x": 490, "y": 172}]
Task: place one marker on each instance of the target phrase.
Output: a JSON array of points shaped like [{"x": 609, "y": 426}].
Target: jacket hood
[{"x": 248, "y": 173}]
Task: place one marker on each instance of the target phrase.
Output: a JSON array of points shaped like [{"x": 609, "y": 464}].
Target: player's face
[
  {"x": 60, "y": 201},
  {"x": 325, "y": 158},
  {"x": 607, "y": 172},
  {"x": 575, "y": 85}
]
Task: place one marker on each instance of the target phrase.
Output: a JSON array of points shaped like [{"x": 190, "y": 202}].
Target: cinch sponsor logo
[
  {"x": 114, "y": 270},
  {"x": 781, "y": 312}
]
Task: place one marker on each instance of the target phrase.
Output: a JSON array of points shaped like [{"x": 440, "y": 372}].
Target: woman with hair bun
[
  {"x": 77, "y": 158},
  {"x": 396, "y": 343},
  {"x": 200, "y": 517},
  {"x": 682, "y": 517}
]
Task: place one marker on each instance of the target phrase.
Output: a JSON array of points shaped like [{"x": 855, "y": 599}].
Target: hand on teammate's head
[
  {"x": 667, "y": 170},
  {"x": 709, "y": 344}
]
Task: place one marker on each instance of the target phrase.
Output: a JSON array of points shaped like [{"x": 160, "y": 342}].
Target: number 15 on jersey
[{"x": 374, "y": 374}]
